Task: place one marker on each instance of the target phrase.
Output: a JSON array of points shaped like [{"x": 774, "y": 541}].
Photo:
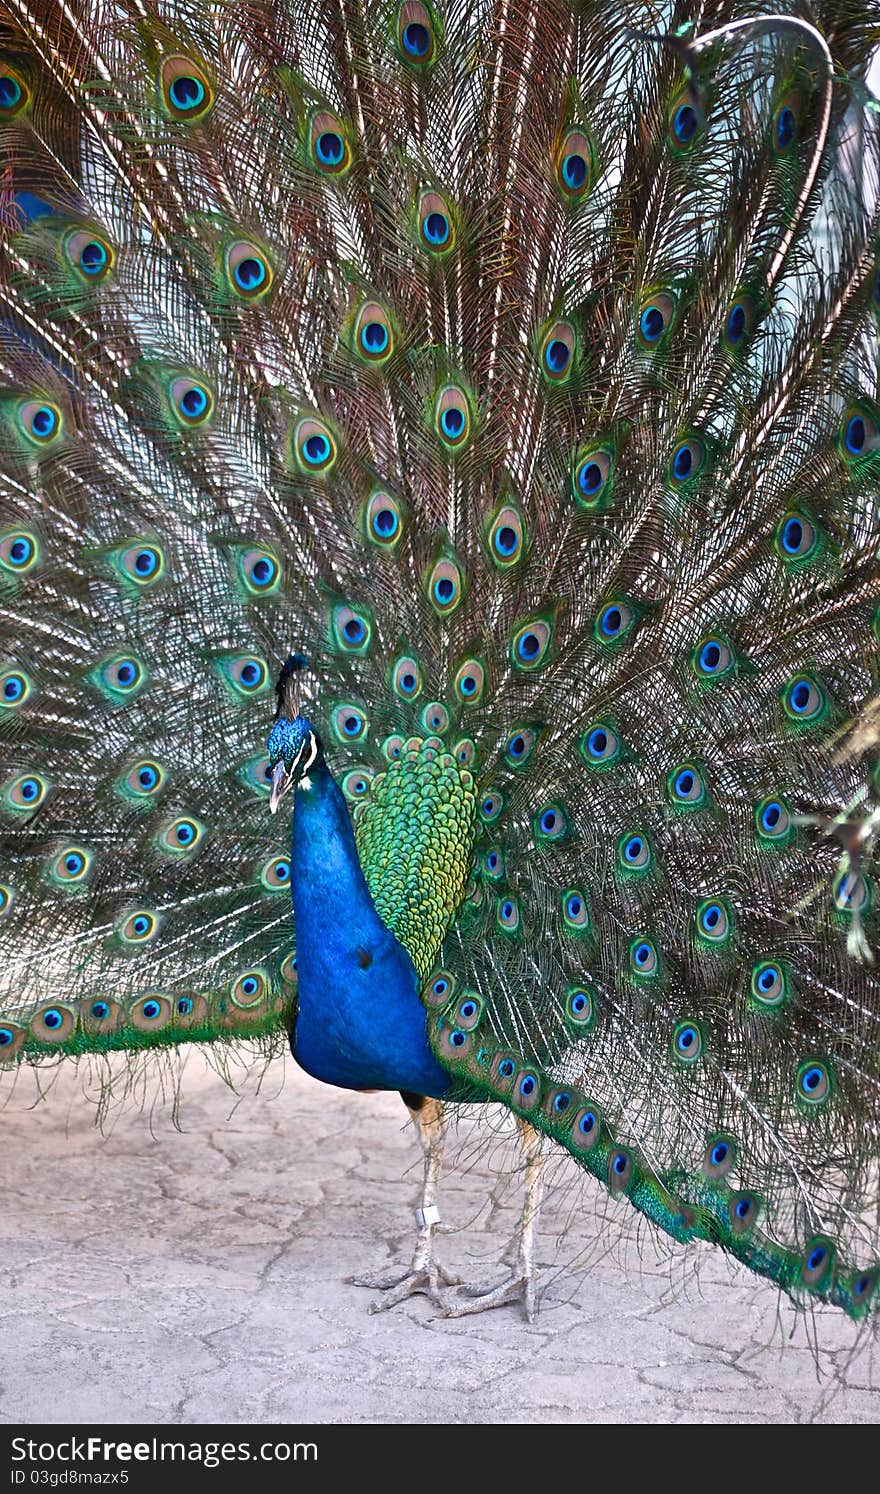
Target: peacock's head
[{"x": 294, "y": 747}]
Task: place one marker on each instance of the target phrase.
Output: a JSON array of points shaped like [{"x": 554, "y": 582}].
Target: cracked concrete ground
[{"x": 152, "y": 1276}]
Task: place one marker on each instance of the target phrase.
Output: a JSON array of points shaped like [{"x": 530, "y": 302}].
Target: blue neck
[{"x": 360, "y": 1023}]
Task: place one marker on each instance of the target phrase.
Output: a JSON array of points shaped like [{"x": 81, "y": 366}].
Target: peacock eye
[
  {"x": 72, "y": 866},
  {"x": 654, "y": 319},
  {"x": 507, "y": 537},
  {"x": 352, "y": 629},
  {"x": 186, "y": 92},
  {"x": 519, "y": 746},
  {"x": 614, "y": 622},
  {"x": 435, "y": 717},
  {"x": 406, "y": 678},
  {"x": 530, "y": 643},
  {"x": 687, "y": 461},
  {"x": 714, "y": 922},
  {"x": 491, "y": 807},
  {"x": 452, "y": 417},
  {"x": 803, "y": 700},
  {"x": 784, "y": 128},
  {"x": 40, "y": 421},
  {"x": 250, "y": 989},
  {"x": 329, "y": 150},
  {"x": 373, "y": 333},
  {"x": 436, "y": 225},
  {"x": 384, "y": 520},
  {"x": 248, "y": 269},
  {"x": 142, "y": 564},
  {"x": 644, "y": 960},
  {"x": 181, "y": 836},
  {"x": 191, "y": 401},
  {"x": 508, "y": 914},
  {"x": 14, "y": 92},
  {"x": 26, "y": 792},
  {"x": 575, "y": 910},
  {"x": 713, "y": 658},
  {"x": 813, "y": 1082},
  {"x": 139, "y": 927},
  {"x": 685, "y": 122},
  {"x": 742, "y": 1212},
  {"x": 470, "y": 679},
  {"x": 796, "y": 537},
  {"x": 260, "y": 571},
  {"x": 349, "y": 723},
  {"x": 593, "y": 471},
  {"x": 686, "y": 786},
  {"x": 15, "y": 687},
  {"x": 19, "y": 551},
  {"x": 719, "y": 1157},
  {"x": 772, "y": 820},
  {"x": 275, "y": 875},
  {"x": 90, "y": 255},
  {"x": 245, "y": 675},
  {"x": 416, "y": 35},
  {"x": 557, "y": 352},
  {"x": 314, "y": 446},
  {"x": 580, "y": 1006},
  {"x": 120, "y": 677},
  {"x": 769, "y": 984},
  {"x": 687, "y": 1042},
  {"x": 634, "y": 852},
  {"x": 574, "y": 164},
  {"x": 445, "y": 586}
]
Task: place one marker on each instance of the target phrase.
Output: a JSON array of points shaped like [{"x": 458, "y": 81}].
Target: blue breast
[{"x": 360, "y": 1023}]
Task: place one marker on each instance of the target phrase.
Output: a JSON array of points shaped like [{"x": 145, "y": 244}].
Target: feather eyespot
[
  {"x": 436, "y": 224},
  {"x": 15, "y": 687},
  {"x": 591, "y": 479},
  {"x": 314, "y": 447},
  {"x": 634, "y": 852},
  {"x": 445, "y": 586},
  {"x": 139, "y": 927},
  {"x": 150, "y": 1013},
  {"x": 814, "y": 1082},
  {"x": 580, "y": 1006},
  {"x": 248, "y": 270},
  {"x": 352, "y": 629},
  {"x": 687, "y": 461},
  {"x": 275, "y": 875},
  {"x": 53, "y": 1024},
  {"x": 493, "y": 864},
  {"x": 72, "y": 866},
  {"x": 621, "y": 1170},
  {"x": 121, "y": 677},
  {"x": 14, "y": 92},
  {"x": 614, "y": 622},
  {"x": 373, "y": 333},
  {"x": 686, "y": 121},
  {"x": 769, "y": 984},
  {"x": 575, "y": 911},
  {"x": 383, "y": 520},
  {"x": 26, "y": 792},
  {"x": 7, "y": 897},
  {"x": 181, "y": 836},
  {"x": 817, "y": 1263},
  {"x": 506, "y": 537},
  {"x": 19, "y": 551},
  {"x": 785, "y": 127},
  {"x": 329, "y": 150},
  {"x": 143, "y": 779},
  {"x": 349, "y": 723},
  {"x": 743, "y": 1211},
  {"x": 452, "y": 417},
  {"x": 858, "y": 434},
  {"x": 491, "y": 806},
  {"x": 600, "y": 746},
  {"x": 558, "y": 352},
  {"x": 804, "y": 701},
  {"x": 142, "y": 563},
  {"x": 440, "y": 988},
  {"x": 416, "y": 34},
  {"x": 550, "y": 824},
  {"x": 530, "y": 644},
  {"x": 406, "y": 678},
  {"x": 687, "y": 1042},
  {"x": 470, "y": 681},
  {"x": 773, "y": 820},
  {"x": 519, "y": 745},
  {"x": 40, "y": 421},
  {"x": 470, "y": 1010},
  {"x": 191, "y": 402},
  {"x": 586, "y": 1130},
  {"x": 714, "y": 921},
  {"x": 507, "y": 914},
  {"x": 713, "y": 658},
  {"x": 796, "y": 538},
  {"x": 245, "y": 675},
  {"x": 356, "y": 783},
  {"x": 90, "y": 255},
  {"x": 739, "y": 321},
  {"x": 863, "y": 1287},
  {"x": 260, "y": 571},
  {"x": 719, "y": 1157},
  {"x": 643, "y": 957},
  {"x": 435, "y": 718},
  {"x": 686, "y": 786},
  {"x": 465, "y": 752},
  {"x": 655, "y": 317},
  {"x": 392, "y": 748},
  {"x": 186, "y": 92},
  {"x": 575, "y": 164}
]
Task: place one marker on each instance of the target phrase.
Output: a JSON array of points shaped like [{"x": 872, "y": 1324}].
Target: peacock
[{"x": 440, "y": 581}]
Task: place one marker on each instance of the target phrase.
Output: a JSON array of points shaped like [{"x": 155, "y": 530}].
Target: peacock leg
[
  {"x": 519, "y": 1286},
  {"x": 423, "y": 1276}
]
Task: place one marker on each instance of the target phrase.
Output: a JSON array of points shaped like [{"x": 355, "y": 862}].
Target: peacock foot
[
  {"x": 518, "y": 1287},
  {"x": 426, "y": 1280}
]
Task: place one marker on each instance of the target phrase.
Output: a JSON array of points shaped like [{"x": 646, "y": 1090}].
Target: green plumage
[{"x": 523, "y": 380}]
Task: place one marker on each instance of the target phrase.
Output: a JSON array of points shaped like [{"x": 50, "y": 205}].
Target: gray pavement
[{"x": 149, "y": 1275}]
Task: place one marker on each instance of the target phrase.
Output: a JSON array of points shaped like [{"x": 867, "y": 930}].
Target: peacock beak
[{"x": 282, "y": 780}]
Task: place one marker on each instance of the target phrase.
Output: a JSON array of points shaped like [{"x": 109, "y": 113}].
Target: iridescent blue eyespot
[
  {"x": 52, "y": 1019},
  {"x": 329, "y": 148},
  {"x": 457, "y": 1038},
  {"x": 587, "y": 1122},
  {"x": 814, "y": 1084},
  {"x": 527, "y": 1086},
  {"x": 436, "y": 228},
  {"x": 14, "y": 687},
  {"x": 416, "y": 39},
  {"x": 11, "y": 94},
  {"x": 184, "y": 1006},
  {"x": 574, "y": 172},
  {"x": 786, "y": 126},
  {"x": 151, "y": 1010},
  {"x": 557, "y": 355},
  {"x": 685, "y": 123},
  {"x": 374, "y": 337},
  {"x": 506, "y": 1068},
  {"x": 20, "y": 552},
  {"x": 249, "y": 274},
  {"x": 452, "y": 422},
  {"x": 187, "y": 93},
  {"x": 561, "y": 1103},
  {"x": 651, "y": 323},
  {"x": 100, "y": 1010}
]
